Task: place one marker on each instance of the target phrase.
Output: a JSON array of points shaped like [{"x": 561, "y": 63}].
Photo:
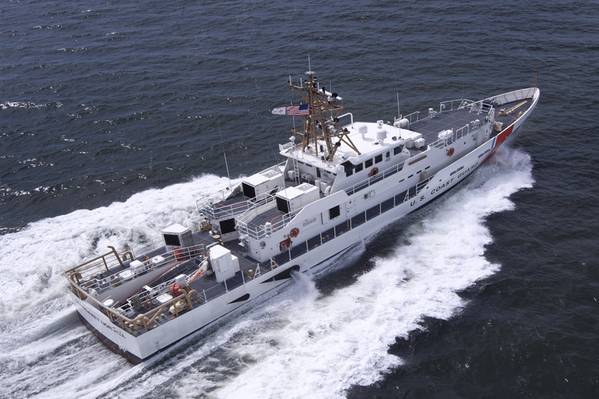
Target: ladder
[{"x": 296, "y": 171}]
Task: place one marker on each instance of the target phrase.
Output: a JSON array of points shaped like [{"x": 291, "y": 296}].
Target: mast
[{"x": 321, "y": 121}]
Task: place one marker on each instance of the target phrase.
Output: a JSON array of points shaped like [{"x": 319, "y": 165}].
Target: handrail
[
  {"x": 413, "y": 117},
  {"x": 258, "y": 231},
  {"x": 150, "y": 319},
  {"x": 447, "y": 106},
  {"x": 251, "y": 212},
  {"x": 214, "y": 211},
  {"x": 466, "y": 129},
  {"x": 374, "y": 179},
  {"x": 351, "y": 117},
  {"x": 86, "y": 273}
]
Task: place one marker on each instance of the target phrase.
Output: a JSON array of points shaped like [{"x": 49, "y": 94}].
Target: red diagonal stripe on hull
[{"x": 503, "y": 136}]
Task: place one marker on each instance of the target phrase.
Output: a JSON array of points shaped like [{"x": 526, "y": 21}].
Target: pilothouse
[{"x": 340, "y": 181}]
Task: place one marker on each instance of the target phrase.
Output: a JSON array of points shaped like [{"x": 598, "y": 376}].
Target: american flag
[{"x": 298, "y": 110}]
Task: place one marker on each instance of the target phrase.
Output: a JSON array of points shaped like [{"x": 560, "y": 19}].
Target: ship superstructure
[{"x": 341, "y": 181}]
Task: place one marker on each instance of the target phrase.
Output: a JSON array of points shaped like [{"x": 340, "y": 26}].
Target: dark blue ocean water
[{"x": 113, "y": 119}]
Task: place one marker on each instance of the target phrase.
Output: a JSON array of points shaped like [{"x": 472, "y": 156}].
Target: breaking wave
[{"x": 302, "y": 343}]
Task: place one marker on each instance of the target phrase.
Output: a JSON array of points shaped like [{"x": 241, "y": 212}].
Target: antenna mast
[
  {"x": 321, "y": 122},
  {"x": 222, "y": 143}
]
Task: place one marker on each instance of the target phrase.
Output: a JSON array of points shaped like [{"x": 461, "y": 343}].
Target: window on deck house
[{"x": 334, "y": 212}]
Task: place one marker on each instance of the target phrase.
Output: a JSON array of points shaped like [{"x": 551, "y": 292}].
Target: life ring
[
  {"x": 175, "y": 289},
  {"x": 373, "y": 172},
  {"x": 294, "y": 232},
  {"x": 450, "y": 151}
]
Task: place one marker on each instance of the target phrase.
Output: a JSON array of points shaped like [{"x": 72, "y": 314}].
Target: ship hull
[{"x": 315, "y": 262}]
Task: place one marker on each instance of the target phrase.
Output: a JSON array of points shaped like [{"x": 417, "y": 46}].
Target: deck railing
[
  {"x": 448, "y": 106},
  {"x": 413, "y": 117},
  {"x": 90, "y": 275},
  {"x": 453, "y": 105},
  {"x": 245, "y": 224},
  {"x": 215, "y": 210},
  {"x": 126, "y": 316}
]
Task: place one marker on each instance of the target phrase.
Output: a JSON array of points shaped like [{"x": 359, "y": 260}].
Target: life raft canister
[
  {"x": 294, "y": 232},
  {"x": 373, "y": 172},
  {"x": 450, "y": 151}
]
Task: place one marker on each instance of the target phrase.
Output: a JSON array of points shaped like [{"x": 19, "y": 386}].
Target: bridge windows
[
  {"x": 378, "y": 158},
  {"x": 349, "y": 168},
  {"x": 368, "y": 163}
]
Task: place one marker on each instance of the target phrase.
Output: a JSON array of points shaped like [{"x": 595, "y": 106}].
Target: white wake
[{"x": 299, "y": 344}]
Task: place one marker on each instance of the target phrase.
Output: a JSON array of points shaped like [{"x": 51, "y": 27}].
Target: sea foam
[{"x": 301, "y": 343}]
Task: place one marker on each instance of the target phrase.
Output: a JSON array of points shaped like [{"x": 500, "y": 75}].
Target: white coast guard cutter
[{"x": 341, "y": 181}]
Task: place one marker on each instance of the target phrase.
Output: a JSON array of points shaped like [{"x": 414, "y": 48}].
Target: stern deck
[{"x": 142, "y": 300}]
